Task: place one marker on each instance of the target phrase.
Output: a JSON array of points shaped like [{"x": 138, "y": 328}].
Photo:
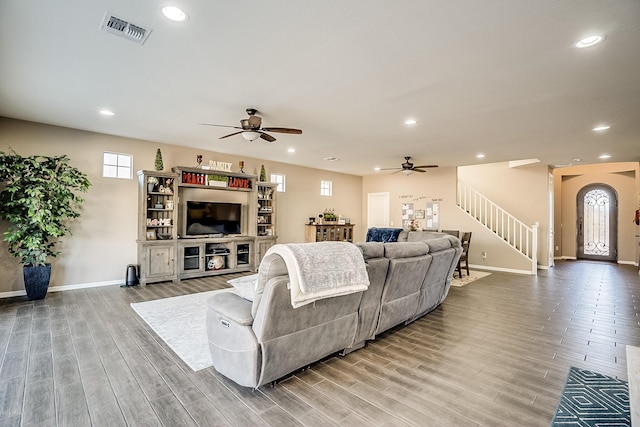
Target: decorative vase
[
  {"x": 150, "y": 187},
  {"x": 36, "y": 280}
]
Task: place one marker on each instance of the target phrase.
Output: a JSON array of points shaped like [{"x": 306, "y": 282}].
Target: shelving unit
[
  {"x": 218, "y": 255},
  {"x": 213, "y": 256},
  {"x": 266, "y": 218},
  {"x": 156, "y": 226},
  {"x": 163, "y": 256}
]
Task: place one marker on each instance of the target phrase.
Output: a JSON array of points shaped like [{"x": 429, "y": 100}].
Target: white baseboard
[
  {"x": 504, "y": 270},
  {"x": 11, "y": 294},
  {"x": 572, "y": 258}
]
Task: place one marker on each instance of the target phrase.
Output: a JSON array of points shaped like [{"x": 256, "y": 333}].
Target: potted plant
[{"x": 36, "y": 199}]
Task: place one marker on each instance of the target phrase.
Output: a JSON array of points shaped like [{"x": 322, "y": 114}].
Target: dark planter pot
[{"x": 36, "y": 280}]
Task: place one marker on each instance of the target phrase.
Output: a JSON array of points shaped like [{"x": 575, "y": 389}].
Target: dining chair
[
  {"x": 464, "y": 257},
  {"x": 452, "y": 232}
]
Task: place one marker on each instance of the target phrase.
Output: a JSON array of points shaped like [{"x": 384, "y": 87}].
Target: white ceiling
[{"x": 499, "y": 77}]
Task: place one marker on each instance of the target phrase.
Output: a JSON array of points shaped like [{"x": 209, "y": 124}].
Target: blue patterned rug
[{"x": 592, "y": 399}]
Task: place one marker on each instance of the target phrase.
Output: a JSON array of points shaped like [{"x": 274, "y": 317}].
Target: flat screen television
[{"x": 206, "y": 218}]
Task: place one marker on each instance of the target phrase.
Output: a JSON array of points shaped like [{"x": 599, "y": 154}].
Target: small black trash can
[{"x": 131, "y": 277}]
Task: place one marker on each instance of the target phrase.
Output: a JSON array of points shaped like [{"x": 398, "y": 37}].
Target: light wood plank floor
[{"x": 496, "y": 353}]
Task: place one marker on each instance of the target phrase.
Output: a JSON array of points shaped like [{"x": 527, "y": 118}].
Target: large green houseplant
[{"x": 37, "y": 197}]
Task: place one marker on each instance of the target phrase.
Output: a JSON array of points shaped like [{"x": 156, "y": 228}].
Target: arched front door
[{"x": 597, "y": 223}]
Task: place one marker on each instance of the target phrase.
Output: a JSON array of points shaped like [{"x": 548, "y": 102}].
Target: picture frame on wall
[{"x": 419, "y": 214}]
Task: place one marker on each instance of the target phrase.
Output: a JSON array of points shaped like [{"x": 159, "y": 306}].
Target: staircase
[{"x": 515, "y": 233}]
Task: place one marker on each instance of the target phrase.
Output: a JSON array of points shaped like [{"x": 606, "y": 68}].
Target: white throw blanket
[{"x": 322, "y": 270}]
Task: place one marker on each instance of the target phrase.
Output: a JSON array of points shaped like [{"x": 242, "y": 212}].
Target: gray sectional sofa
[{"x": 257, "y": 342}]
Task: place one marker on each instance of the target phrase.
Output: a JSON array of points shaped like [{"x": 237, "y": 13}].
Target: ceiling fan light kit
[
  {"x": 251, "y": 129},
  {"x": 250, "y": 135}
]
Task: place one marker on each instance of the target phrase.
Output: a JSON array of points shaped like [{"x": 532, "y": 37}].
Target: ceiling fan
[
  {"x": 250, "y": 128},
  {"x": 407, "y": 167}
]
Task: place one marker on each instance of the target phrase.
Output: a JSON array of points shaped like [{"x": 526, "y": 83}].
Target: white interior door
[{"x": 377, "y": 210}]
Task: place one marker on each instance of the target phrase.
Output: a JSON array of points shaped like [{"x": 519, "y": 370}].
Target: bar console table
[{"x": 329, "y": 232}]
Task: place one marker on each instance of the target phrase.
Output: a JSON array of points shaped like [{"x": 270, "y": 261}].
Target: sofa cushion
[
  {"x": 371, "y": 250},
  {"x": 439, "y": 244},
  {"x": 423, "y": 236},
  {"x": 377, "y": 267},
  {"x": 270, "y": 267},
  {"x": 435, "y": 282},
  {"x": 408, "y": 265},
  {"x": 405, "y": 250}
]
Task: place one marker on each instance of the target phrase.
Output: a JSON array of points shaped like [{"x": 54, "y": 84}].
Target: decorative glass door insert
[{"x": 597, "y": 226}]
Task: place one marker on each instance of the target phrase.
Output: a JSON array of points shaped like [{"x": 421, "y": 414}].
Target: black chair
[
  {"x": 452, "y": 232},
  {"x": 464, "y": 257}
]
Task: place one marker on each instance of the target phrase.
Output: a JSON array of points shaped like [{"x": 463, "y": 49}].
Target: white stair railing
[{"x": 514, "y": 232}]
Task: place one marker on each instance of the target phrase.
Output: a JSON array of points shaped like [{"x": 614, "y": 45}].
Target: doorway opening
[{"x": 378, "y": 210}]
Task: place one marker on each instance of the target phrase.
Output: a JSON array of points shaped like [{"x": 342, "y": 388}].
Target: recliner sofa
[{"x": 257, "y": 342}]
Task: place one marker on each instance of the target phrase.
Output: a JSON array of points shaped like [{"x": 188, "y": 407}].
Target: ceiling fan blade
[
  {"x": 255, "y": 121},
  {"x": 220, "y": 126},
  {"x": 283, "y": 130},
  {"x": 390, "y": 169},
  {"x": 425, "y": 166},
  {"x": 418, "y": 170},
  {"x": 231, "y": 134},
  {"x": 267, "y": 137}
]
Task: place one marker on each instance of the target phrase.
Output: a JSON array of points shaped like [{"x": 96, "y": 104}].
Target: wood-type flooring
[{"x": 495, "y": 353}]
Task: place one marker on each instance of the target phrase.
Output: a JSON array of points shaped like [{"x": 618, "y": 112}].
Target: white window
[
  {"x": 278, "y": 178},
  {"x": 116, "y": 165},
  {"x": 326, "y": 188}
]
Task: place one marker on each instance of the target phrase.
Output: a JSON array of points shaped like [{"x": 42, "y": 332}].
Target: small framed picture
[
  {"x": 419, "y": 214},
  {"x": 151, "y": 234}
]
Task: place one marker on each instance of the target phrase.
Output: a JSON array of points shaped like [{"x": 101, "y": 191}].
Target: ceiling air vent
[{"x": 120, "y": 27}]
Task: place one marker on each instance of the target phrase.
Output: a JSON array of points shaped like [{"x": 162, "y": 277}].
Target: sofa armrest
[
  {"x": 235, "y": 352},
  {"x": 231, "y": 306}
]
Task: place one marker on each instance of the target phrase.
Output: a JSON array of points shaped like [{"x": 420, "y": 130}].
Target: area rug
[
  {"x": 472, "y": 277},
  {"x": 180, "y": 322},
  {"x": 592, "y": 399}
]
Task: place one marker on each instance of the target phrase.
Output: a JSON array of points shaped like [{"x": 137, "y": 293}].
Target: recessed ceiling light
[
  {"x": 589, "y": 41},
  {"x": 605, "y": 156},
  {"x": 480, "y": 156},
  {"x": 377, "y": 168},
  {"x": 330, "y": 159},
  {"x": 601, "y": 128},
  {"x": 576, "y": 159},
  {"x": 174, "y": 13},
  {"x": 291, "y": 150},
  {"x": 106, "y": 112},
  {"x": 410, "y": 122}
]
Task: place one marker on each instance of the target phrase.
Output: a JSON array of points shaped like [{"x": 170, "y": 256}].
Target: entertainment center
[{"x": 217, "y": 222}]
